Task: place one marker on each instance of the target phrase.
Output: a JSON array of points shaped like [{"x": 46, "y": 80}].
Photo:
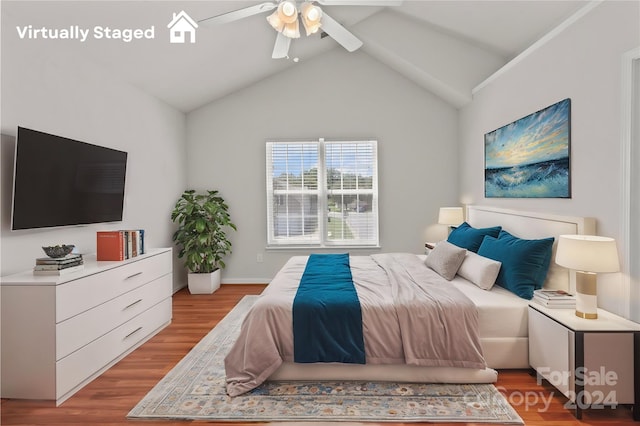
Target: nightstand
[
  {"x": 594, "y": 363},
  {"x": 428, "y": 247}
]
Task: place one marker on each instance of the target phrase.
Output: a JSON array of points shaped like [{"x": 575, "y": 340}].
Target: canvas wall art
[{"x": 529, "y": 158}]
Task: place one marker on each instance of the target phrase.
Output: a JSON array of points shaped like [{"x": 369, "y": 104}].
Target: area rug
[{"x": 195, "y": 390}]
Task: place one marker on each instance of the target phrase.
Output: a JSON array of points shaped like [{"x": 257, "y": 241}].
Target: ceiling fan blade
[
  {"x": 340, "y": 33},
  {"x": 281, "y": 48},
  {"x": 360, "y": 2},
  {"x": 239, "y": 14}
]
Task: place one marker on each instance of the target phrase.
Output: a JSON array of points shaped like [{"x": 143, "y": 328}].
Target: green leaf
[{"x": 203, "y": 220}]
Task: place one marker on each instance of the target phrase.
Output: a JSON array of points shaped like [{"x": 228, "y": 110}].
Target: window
[{"x": 322, "y": 193}]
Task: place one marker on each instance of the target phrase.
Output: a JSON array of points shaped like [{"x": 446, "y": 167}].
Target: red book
[{"x": 110, "y": 245}]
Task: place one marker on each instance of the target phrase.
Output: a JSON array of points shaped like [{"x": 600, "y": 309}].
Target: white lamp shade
[
  {"x": 588, "y": 253},
  {"x": 275, "y": 21},
  {"x": 287, "y": 12},
  {"x": 291, "y": 30},
  {"x": 285, "y": 19},
  {"x": 450, "y": 216},
  {"x": 311, "y": 17}
]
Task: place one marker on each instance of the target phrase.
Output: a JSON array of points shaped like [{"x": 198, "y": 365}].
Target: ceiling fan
[{"x": 288, "y": 14}]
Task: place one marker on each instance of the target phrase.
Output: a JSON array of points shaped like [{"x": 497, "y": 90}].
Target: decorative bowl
[{"x": 59, "y": 250}]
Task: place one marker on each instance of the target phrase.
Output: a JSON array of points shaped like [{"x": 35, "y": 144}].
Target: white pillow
[
  {"x": 445, "y": 259},
  {"x": 480, "y": 270}
]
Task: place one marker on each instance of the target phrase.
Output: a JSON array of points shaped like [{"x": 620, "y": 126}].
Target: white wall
[
  {"x": 447, "y": 65},
  {"x": 582, "y": 63},
  {"x": 49, "y": 88},
  {"x": 336, "y": 95},
  {"x": 633, "y": 267}
]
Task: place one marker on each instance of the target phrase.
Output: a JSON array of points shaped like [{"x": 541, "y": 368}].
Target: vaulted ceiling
[{"x": 447, "y": 47}]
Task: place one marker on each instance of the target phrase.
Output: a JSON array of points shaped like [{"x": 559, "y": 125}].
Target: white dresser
[{"x": 61, "y": 332}]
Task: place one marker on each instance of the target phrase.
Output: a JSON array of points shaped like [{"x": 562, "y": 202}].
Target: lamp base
[
  {"x": 586, "y": 295},
  {"x": 586, "y": 315}
]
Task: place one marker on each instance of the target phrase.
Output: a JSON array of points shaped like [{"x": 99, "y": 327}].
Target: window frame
[{"x": 323, "y": 192}]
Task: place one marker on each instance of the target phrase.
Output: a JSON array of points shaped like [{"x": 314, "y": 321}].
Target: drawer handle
[
  {"x": 132, "y": 304},
  {"x": 132, "y": 333},
  {"x": 134, "y": 275}
]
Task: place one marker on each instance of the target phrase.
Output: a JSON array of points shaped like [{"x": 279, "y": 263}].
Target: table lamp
[
  {"x": 451, "y": 216},
  {"x": 587, "y": 255}
]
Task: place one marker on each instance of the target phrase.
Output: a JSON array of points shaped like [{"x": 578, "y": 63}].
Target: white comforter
[{"x": 410, "y": 315}]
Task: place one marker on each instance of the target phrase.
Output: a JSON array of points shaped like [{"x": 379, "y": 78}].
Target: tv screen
[{"x": 60, "y": 181}]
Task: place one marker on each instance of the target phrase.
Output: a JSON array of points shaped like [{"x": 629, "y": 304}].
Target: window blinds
[{"x": 322, "y": 193}]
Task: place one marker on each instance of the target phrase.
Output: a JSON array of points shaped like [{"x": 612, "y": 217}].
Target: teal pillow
[
  {"x": 525, "y": 263},
  {"x": 470, "y": 238},
  {"x": 544, "y": 269}
]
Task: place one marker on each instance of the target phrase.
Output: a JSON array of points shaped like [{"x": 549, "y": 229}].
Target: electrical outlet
[{"x": 259, "y": 258}]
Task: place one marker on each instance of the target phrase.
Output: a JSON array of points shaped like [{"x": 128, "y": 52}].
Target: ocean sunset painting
[{"x": 529, "y": 158}]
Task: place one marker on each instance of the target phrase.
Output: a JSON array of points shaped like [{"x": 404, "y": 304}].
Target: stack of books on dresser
[
  {"x": 558, "y": 299},
  {"x": 119, "y": 245},
  {"x": 58, "y": 266}
]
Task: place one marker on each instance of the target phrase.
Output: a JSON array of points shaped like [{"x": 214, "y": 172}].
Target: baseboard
[{"x": 246, "y": 281}]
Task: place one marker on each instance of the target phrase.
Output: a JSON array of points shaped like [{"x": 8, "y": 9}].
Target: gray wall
[
  {"x": 54, "y": 91},
  {"x": 336, "y": 95},
  {"x": 583, "y": 63}
]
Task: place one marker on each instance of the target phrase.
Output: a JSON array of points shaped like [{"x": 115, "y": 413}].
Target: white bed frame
[
  {"x": 509, "y": 353},
  {"x": 532, "y": 226},
  {"x": 505, "y": 353}
]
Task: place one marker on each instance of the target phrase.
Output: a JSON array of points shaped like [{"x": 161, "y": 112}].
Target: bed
[{"x": 264, "y": 349}]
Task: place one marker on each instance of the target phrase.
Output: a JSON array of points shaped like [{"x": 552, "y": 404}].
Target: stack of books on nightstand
[
  {"x": 558, "y": 299},
  {"x": 58, "y": 266}
]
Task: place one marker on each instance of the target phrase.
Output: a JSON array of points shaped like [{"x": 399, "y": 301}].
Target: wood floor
[{"x": 108, "y": 399}]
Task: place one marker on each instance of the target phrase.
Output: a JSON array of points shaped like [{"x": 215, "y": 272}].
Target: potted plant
[{"x": 203, "y": 221}]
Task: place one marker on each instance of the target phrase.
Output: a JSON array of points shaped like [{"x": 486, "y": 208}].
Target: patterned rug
[{"x": 195, "y": 389}]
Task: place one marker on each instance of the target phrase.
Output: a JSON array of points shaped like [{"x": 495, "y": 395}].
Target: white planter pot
[{"x": 204, "y": 283}]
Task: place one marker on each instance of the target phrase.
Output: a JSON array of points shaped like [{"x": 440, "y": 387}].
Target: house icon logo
[{"x": 182, "y": 27}]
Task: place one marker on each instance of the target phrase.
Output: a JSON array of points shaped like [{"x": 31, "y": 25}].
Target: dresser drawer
[
  {"x": 90, "y": 325},
  {"x": 83, "y": 364},
  {"x": 77, "y": 296}
]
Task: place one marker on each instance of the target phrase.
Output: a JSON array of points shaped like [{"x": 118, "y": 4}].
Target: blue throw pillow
[
  {"x": 525, "y": 263},
  {"x": 470, "y": 238}
]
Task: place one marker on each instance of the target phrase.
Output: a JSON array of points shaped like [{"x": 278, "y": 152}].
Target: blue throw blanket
[{"x": 327, "y": 318}]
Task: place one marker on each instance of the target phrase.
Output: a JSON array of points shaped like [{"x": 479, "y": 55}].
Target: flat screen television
[{"x": 59, "y": 181}]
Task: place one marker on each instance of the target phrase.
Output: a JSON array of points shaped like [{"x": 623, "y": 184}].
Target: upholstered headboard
[{"x": 534, "y": 226}]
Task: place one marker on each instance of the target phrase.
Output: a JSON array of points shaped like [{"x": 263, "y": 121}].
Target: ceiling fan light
[
  {"x": 311, "y": 17},
  {"x": 312, "y": 29},
  {"x": 275, "y": 21},
  {"x": 310, "y": 12},
  {"x": 287, "y": 12},
  {"x": 291, "y": 30}
]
